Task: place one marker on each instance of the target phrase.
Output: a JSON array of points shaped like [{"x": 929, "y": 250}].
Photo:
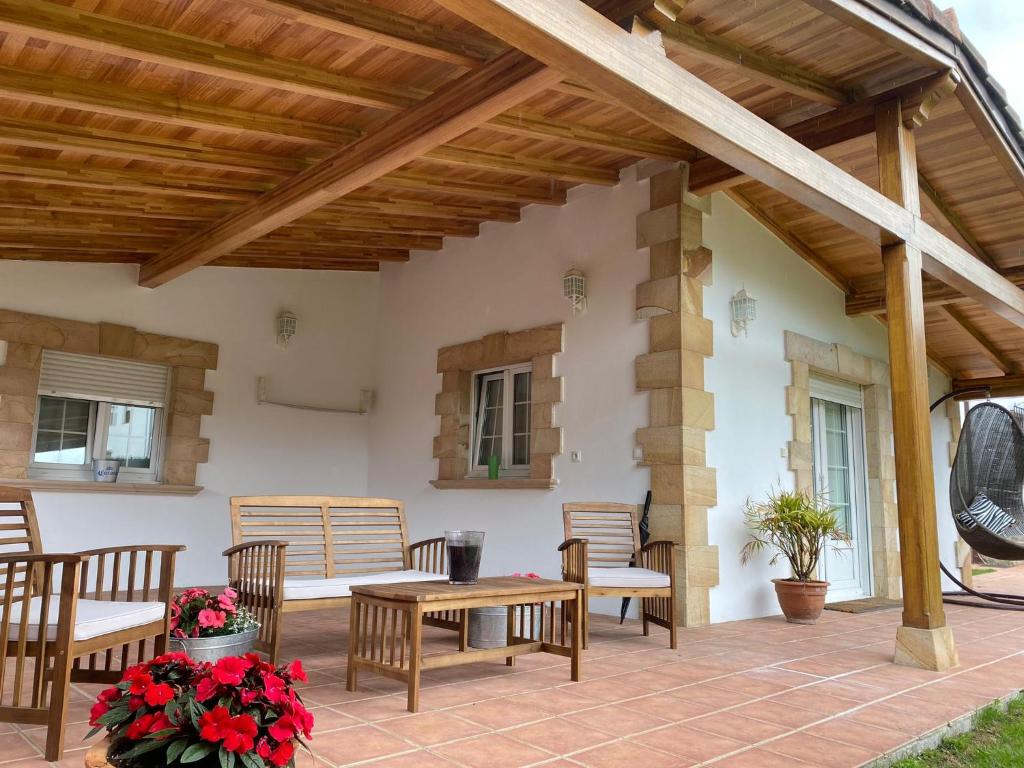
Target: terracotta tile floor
[{"x": 755, "y": 693}]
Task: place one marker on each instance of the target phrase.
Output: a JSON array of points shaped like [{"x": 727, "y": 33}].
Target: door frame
[{"x": 850, "y": 396}]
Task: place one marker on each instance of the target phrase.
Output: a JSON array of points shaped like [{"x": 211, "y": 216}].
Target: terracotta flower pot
[
  {"x": 802, "y": 601},
  {"x": 96, "y": 757}
]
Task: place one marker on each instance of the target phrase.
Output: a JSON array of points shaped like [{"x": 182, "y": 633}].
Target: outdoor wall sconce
[
  {"x": 574, "y": 288},
  {"x": 286, "y": 324},
  {"x": 744, "y": 311}
]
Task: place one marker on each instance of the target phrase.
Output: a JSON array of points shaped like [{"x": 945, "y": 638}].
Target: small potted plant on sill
[
  {"x": 238, "y": 713},
  {"x": 797, "y": 525},
  {"x": 209, "y": 627}
]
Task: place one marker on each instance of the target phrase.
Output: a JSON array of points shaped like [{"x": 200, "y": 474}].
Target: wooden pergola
[{"x": 337, "y": 134}]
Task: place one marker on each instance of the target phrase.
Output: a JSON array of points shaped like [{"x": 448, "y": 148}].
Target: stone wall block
[
  {"x": 548, "y": 391},
  {"x": 117, "y": 340}
]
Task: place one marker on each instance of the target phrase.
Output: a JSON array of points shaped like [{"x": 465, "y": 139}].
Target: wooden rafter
[
  {"x": 726, "y": 54},
  {"x": 76, "y": 27},
  {"x": 1000, "y": 386},
  {"x": 571, "y": 37},
  {"x": 982, "y": 342},
  {"x": 454, "y": 109},
  {"x": 935, "y": 201}
]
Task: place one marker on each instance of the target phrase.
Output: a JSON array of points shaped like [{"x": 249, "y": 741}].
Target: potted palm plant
[{"x": 796, "y": 525}]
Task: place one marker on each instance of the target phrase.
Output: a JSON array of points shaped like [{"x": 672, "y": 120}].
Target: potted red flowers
[
  {"x": 208, "y": 627},
  {"x": 238, "y": 713}
]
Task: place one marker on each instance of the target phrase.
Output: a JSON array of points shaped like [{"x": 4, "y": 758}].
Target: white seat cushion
[
  {"x": 626, "y": 577},
  {"x": 340, "y": 586},
  {"x": 93, "y": 618}
]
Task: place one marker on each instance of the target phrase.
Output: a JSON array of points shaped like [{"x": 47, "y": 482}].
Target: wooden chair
[
  {"x": 58, "y": 630},
  {"x": 601, "y": 540},
  {"x": 303, "y": 553}
]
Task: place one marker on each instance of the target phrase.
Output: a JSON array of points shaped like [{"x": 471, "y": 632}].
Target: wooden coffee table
[{"x": 386, "y": 625}]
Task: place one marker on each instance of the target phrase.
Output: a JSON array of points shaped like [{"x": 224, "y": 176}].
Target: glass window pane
[
  {"x": 521, "y": 418},
  {"x": 130, "y": 434},
  {"x": 47, "y": 446},
  {"x": 76, "y": 416},
  {"x": 521, "y": 449},
  {"x": 51, "y": 413},
  {"x": 522, "y": 387}
]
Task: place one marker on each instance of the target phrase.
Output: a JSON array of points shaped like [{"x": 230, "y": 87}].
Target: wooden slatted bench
[{"x": 303, "y": 553}]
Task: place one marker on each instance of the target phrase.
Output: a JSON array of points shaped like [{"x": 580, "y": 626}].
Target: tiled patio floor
[{"x": 758, "y": 693}]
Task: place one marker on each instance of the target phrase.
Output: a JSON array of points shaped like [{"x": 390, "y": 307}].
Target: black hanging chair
[{"x": 987, "y": 483}]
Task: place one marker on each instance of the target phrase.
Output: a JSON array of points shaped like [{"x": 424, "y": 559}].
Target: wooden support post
[{"x": 924, "y": 640}]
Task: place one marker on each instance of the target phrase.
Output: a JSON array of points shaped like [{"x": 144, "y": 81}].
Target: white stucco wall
[
  {"x": 360, "y": 330},
  {"x": 509, "y": 279},
  {"x": 254, "y": 449}
]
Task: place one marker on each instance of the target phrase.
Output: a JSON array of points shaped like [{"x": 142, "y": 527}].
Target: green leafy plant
[{"x": 797, "y": 525}]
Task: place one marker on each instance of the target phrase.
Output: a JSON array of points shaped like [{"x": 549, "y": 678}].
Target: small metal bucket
[
  {"x": 214, "y": 648},
  {"x": 105, "y": 470},
  {"x": 488, "y": 627}
]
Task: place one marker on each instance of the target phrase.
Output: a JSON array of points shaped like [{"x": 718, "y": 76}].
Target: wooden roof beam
[
  {"x": 472, "y": 99},
  {"x": 832, "y": 128},
  {"x": 720, "y": 52},
  {"x": 286, "y": 262},
  {"x": 1001, "y": 386},
  {"x": 83, "y": 29},
  {"x": 573, "y": 38},
  {"x": 941, "y": 209},
  {"x": 984, "y": 344},
  {"x": 868, "y": 296}
]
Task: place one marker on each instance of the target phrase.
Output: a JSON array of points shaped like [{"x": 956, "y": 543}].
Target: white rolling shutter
[{"x": 103, "y": 378}]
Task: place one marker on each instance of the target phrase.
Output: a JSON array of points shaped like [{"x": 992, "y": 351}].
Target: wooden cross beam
[{"x": 573, "y": 38}]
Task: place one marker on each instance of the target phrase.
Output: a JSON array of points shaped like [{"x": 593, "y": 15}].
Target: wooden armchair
[
  {"x": 58, "y": 629},
  {"x": 601, "y": 541}
]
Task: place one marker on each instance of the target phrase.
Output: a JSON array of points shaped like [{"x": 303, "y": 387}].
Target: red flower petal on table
[{"x": 159, "y": 694}]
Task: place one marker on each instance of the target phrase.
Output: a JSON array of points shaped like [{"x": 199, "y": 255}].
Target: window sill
[
  {"x": 83, "y": 486},
  {"x": 501, "y": 484}
]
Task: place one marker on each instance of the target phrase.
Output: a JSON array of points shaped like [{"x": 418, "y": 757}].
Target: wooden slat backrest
[
  {"x": 613, "y": 531},
  {"x": 327, "y": 535},
  {"x": 19, "y": 530}
]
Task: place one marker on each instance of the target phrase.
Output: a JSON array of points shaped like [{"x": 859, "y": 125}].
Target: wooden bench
[{"x": 304, "y": 553}]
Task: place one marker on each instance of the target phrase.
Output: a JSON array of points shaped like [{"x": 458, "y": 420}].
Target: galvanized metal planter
[
  {"x": 214, "y": 648},
  {"x": 488, "y": 627}
]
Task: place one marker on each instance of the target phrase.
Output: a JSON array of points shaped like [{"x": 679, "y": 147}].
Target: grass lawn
[
  {"x": 982, "y": 571},
  {"x": 996, "y": 742}
]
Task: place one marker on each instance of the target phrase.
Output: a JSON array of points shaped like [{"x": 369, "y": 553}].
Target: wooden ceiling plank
[
  {"x": 984, "y": 344},
  {"x": 944, "y": 211},
  {"x": 94, "y": 32},
  {"x": 472, "y": 99},
  {"x": 573, "y": 38},
  {"x": 275, "y": 262},
  {"x": 719, "y": 51},
  {"x": 1000, "y": 386},
  {"x": 364, "y": 21}
]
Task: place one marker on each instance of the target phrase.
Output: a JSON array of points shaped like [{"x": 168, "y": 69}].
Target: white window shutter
[{"x": 103, "y": 378}]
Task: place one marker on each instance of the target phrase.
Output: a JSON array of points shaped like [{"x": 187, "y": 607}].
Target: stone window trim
[
  {"x": 25, "y": 336},
  {"x": 453, "y": 404},
  {"x": 807, "y": 356}
]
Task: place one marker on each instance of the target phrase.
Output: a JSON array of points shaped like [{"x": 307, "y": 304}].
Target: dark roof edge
[{"x": 972, "y": 63}]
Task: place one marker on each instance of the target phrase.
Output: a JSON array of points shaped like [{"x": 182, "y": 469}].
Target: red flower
[
  {"x": 211, "y": 619},
  {"x": 284, "y": 728},
  {"x": 99, "y": 709},
  {"x": 231, "y": 670},
  {"x": 140, "y": 681},
  {"x": 297, "y": 672},
  {"x": 206, "y": 689},
  {"x": 274, "y": 688},
  {"x": 134, "y": 702},
  {"x": 159, "y": 694},
  {"x": 147, "y": 724},
  {"x": 236, "y": 734},
  {"x": 109, "y": 695},
  {"x": 279, "y": 756}
]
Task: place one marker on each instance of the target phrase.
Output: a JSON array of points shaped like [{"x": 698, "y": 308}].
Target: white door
[{"x": 837, "y": 419}]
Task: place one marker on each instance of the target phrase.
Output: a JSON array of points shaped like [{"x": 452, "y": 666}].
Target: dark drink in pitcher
[{"x": 464, "y": 551}]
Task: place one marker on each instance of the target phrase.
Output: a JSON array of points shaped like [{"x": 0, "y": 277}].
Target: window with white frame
[
  {"x": 501, "y": 419},
  {"x": 93, "y": 407}
]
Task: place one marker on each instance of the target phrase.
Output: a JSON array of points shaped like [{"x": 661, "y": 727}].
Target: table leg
[
  {"x": 415, "y": 657},
  {"x": 510, "y": 634},
  {"x": 354, "y": 629},
  {"x": 464, "y": 629},
  {"x": 578, "y": 606}
]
